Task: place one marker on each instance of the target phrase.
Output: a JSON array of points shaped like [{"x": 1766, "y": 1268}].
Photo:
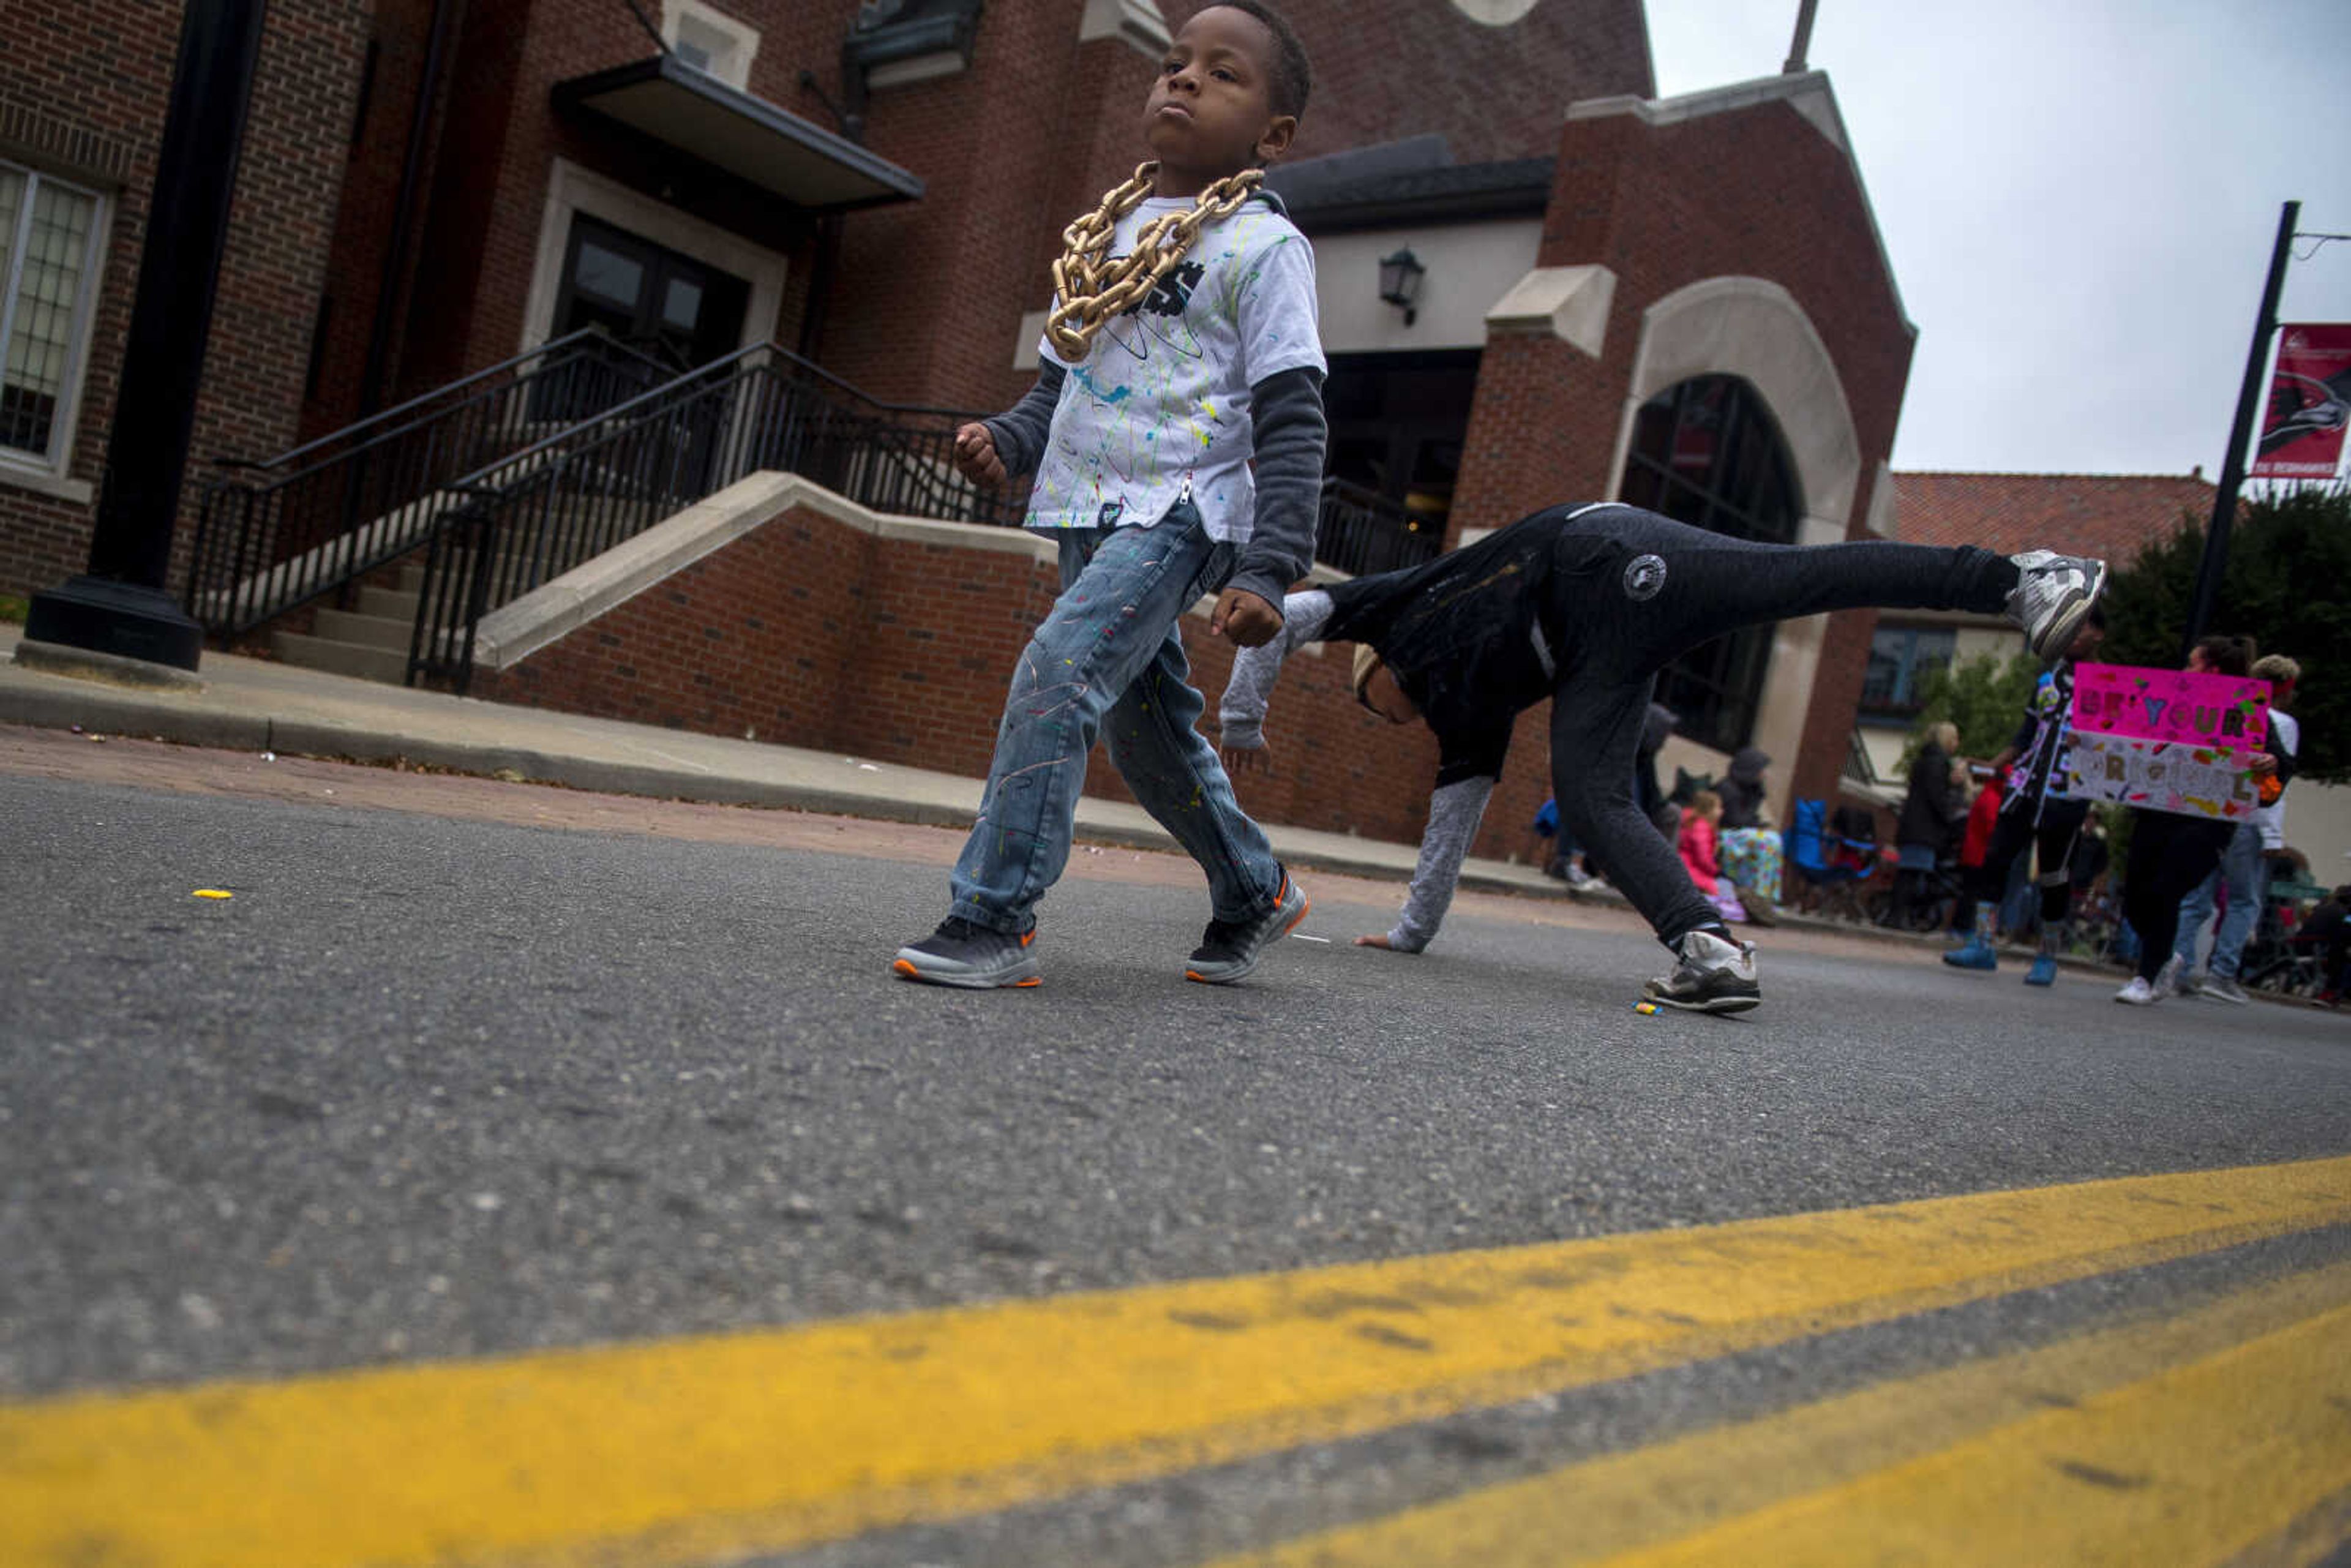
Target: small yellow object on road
[{"x": 213, "y": 892}]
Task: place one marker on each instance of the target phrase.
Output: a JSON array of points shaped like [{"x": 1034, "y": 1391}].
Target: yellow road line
[
  {"x": 689, "y": 1448},
  {"x": 1720, "y": 1496},
  {"x": 2188, "y": 1466}
]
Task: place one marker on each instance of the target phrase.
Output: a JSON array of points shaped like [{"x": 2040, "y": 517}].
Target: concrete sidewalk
[{"x": 255, "y": 705}]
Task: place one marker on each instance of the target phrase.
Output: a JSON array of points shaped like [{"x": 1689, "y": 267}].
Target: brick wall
[
  {"x": 399, "y": 36},
  {"x": 482, "y": 226},
  {"x": 809, "y": 632},
  {"x": 1389, "y": 70},
  {"x": 931, "y": 295},
  {"x": 84, "y": 94}
]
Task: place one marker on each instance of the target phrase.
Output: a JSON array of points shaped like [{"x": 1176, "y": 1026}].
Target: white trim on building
[{"x": 572, "y": 190}]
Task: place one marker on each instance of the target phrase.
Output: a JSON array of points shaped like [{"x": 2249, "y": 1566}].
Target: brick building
[
  {"x": 82, "y": 96},
  {"x": 1682, "y": 302}
]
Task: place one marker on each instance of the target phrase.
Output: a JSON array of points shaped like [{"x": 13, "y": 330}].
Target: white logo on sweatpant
[{"x": 1645, "y": 576}]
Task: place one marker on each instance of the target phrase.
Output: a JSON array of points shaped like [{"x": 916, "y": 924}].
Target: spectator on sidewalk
[
  {"x": 1750, "y": 844},
  {"x": 2240, "y": 883},
  {"x": 1932, "y": 811},
  {"x": 2326, "y": 930},
  {"x": 1698, "y": 843},
  {"x": 1975, "y": 839}
]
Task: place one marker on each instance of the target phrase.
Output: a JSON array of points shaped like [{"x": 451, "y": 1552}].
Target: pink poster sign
[
  {"x": 2222, "y": 712},
  {"x": 2166, "y": 739}
]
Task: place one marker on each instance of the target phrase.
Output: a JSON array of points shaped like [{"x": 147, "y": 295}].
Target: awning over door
[{"x": 680, "y": 107}]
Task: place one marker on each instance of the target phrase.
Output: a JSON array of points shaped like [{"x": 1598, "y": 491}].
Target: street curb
[{"x": 119, "y": 712}]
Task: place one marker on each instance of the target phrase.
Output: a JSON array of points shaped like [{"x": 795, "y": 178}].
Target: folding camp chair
[{"x": 1829, "y": 867}]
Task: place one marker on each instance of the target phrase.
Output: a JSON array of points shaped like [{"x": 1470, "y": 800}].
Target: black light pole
[
  {"x": 2240, "y": 436},
  {"x": 120, "y": 605}
]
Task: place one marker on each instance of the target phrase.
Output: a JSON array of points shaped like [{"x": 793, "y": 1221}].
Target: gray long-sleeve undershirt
[
  {"x": 1455, "y": 810},
  {"x": 1287, "y": 430}
]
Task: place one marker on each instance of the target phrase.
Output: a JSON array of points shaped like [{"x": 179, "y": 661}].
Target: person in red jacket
[
  {"x": 1699, "y": 843},
  {"x": 1975, "y": 843}
]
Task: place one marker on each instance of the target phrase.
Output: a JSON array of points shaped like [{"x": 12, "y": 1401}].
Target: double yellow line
[{"x": 681, "y": 1451}]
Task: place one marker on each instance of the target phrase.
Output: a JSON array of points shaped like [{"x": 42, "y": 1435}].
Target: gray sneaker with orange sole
[
  {"x": 1231, "y": 948},
  {"x": 971, "y": 957}
]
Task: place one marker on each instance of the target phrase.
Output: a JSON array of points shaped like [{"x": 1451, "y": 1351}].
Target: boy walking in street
[
  {"x": 1181, "y": 350},
  {"x": 1585, "y": 605}
]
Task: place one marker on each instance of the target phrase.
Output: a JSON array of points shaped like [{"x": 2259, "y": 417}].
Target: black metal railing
[
  {"x": 273, "y": 534},
  {"x": 1359, "y": 531},
  {"x": 541, "y": 510}
]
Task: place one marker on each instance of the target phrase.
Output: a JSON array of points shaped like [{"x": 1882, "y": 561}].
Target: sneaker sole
[
  {"x": 1711, "y": 1005},
  {"x": 1019, "y": 978},
  {"x": 2059, "y": 634},
  {"x": 1241, "y": 972}
]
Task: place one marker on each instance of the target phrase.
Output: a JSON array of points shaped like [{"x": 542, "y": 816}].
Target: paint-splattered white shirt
[{"x": 1161, "y": 400}]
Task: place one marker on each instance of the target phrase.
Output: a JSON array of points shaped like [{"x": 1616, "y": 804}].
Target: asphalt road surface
[{"x": 511, "y": 1174}]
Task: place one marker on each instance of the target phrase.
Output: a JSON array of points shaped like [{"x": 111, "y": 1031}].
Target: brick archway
[{"x": 1752, "y": 327}]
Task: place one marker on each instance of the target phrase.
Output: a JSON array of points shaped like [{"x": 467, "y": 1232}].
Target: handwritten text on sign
[
  {"x": 2169, "y": 740},
  {"x": 2228, "y": 713}
]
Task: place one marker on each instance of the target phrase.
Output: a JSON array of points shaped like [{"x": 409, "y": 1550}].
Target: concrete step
[
  {"x": 366, "y": 630},
  {"x": 342, "y": 658},
  {"x": 390, "y": 603}
]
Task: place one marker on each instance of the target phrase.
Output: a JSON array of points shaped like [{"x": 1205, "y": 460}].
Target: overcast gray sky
[{"x": 2079, "y": 197}]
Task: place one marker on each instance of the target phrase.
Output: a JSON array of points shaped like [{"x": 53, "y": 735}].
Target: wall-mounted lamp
[{"x": 1400, "y": 277}]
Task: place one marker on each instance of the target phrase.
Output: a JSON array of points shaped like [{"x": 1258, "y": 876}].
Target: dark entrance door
[
  {"x": 681, "y": 311},
  {"x": 1398, "y": 422}
]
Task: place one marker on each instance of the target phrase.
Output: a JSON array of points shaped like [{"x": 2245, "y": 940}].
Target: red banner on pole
[{"x": 2310, "y": 404}]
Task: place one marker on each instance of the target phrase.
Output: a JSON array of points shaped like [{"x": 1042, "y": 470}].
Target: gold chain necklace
[{"x": 1089, "y": 288}]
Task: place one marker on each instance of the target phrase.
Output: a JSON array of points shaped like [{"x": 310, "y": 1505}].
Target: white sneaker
[
  {"x": 2052, "y": 597},
  {"x": 2138, "y": 993},
  {"x": 2167, "y": 979},
  {"x": 1713, "y": 977}
]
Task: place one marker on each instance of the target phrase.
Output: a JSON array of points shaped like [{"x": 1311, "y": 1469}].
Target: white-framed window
[
  {"x": 1901, "y": 660},
  {"x": 711, "y": 41},
  {"x": 50, "y": 238}
]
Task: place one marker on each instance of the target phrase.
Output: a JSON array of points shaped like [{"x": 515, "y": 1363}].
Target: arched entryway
[
  {"x": 1708, "y": 453},
  {"x": 1749, "y": 332}
]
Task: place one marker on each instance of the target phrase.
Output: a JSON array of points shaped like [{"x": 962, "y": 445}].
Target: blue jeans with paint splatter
[{"x": 1109, "y": 660}]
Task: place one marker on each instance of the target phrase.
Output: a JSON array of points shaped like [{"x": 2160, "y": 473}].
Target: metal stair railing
[
  {"x": 539, "y": 511},
  {"x": 273, "y": 534},
  {"x": 1360, "y": 531}
]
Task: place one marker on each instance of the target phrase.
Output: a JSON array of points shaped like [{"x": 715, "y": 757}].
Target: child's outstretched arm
[
  {"x": 1240, "y": 714},
  {"x": 990, "y": 450},
  {"x": 1455, "y": 811},
  {"x": 1288, "y": 432}
]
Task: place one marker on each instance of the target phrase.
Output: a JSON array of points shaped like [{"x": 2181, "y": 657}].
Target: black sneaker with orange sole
[
  {"x": 1231, "y": 948},
  {"x": 971, "y": 957}
]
